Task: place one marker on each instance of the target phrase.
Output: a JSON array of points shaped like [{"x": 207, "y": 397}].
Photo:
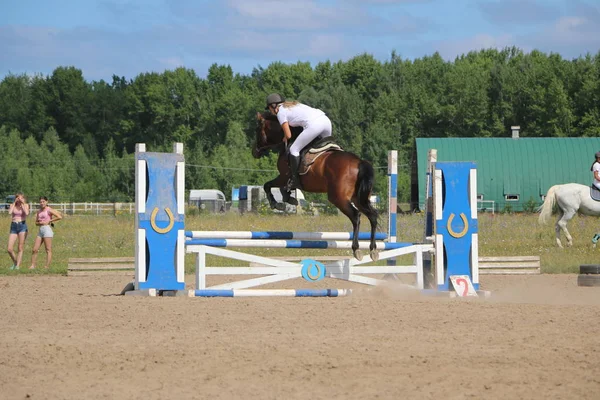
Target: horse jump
[{"x": 160, "y": 234}]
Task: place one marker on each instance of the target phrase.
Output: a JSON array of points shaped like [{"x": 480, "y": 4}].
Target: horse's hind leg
[
  {"x": 350, "y": 211},
  {"x": 557, "y": 229},
  {"x": 561, "y": 224},
  {"x": 372, "y": 216}
]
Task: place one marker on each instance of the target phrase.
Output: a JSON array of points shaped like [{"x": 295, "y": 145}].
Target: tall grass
[{"x": 499, "y": 235}]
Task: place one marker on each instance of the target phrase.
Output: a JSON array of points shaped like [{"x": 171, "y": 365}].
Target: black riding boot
[{"x": 294, "y": 182}]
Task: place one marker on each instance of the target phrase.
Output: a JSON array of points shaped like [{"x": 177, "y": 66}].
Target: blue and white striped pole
[
  {"x": 270, "y": 292},
  {"x": 392, "y": 195},
  {"x": 282, "y": 235},
  {"x": 392, "y": 202},
  {"x": 428, "y": 273},
  {"x": 290, "y": 244}
]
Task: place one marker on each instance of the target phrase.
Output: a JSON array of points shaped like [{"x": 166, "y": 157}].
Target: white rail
[{"x": 85, "y": 208}]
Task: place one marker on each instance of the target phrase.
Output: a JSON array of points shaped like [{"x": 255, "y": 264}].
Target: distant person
[
  {"x": 292, "y": 113},
  {"x": 45, "y": 219},
  {"x": 18, "y": 210},
  {"x": 595, "y": 168}
]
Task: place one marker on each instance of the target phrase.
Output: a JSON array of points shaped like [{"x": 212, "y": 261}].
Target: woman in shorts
[
  {"x": 45, "y": 219},
  {"x": 18, "y": 210}
]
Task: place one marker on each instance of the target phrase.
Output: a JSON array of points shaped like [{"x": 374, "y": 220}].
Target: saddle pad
[
  {"x": 327, "y": 146},
  {"x": 595, "y": 193}
]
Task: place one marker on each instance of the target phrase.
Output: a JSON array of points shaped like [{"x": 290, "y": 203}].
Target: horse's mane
[{"x": 269, "y": 116}]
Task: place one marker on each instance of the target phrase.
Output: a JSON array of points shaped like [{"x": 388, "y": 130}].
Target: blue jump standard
[
  {"x": 294, "y": 244},
  {"x": 292, "y": 235}
]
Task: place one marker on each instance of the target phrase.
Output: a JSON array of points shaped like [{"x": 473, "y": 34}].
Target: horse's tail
[
  {"x": 363, "y": 189},
  {"x": 548, "y": 205}
]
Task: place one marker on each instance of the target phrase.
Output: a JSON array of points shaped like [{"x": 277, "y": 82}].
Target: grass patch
[{"x": 499, "y": 235}]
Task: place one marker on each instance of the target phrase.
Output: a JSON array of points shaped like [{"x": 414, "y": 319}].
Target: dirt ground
[{"x": 537, "y": 337}]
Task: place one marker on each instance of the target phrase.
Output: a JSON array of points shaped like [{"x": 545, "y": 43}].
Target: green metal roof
[{"x": 526, "y": 167}]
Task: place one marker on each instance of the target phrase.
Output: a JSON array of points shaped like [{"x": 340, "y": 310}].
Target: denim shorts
[
  {"x": 18, "y": 227},
  {"x": 46, "y": 231}
]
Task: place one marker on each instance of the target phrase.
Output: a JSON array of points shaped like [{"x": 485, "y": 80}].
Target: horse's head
[{"x": 269, "y": 135}]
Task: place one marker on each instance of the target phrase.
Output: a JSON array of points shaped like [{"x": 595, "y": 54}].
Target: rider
[
  {"x": 292, "y": 113},
  {"x": 595, "y": 168}
]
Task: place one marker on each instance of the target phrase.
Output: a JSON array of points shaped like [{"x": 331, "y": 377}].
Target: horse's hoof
[
  {"x": 280, "y": 206},
  {"x": 374, "y": 255},
  {"x": 292, "y": 201},
  {"x": 358, "y": 255}
]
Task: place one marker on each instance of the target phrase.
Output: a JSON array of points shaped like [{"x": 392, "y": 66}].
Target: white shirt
[
  {"x": 596, "y": 167},
  {"x": 298, "y": 115}
]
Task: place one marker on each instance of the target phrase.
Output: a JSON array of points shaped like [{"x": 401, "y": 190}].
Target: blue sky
[{"x": 128, "y": 37}]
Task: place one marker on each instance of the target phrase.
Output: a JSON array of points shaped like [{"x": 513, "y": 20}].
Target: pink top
[
  {"x": 43, "y": 216},
  {"x": 18, "y": 214}
]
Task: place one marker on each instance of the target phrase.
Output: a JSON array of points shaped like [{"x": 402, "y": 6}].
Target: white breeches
[{"x": 319, "y": 127}]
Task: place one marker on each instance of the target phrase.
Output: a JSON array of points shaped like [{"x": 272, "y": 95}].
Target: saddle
[
  {"x": 314, "y": 150},
  {"x": 595, "y": 193}
]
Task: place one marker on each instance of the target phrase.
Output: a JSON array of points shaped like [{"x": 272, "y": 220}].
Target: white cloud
[
  {"x": 323, "y": 46},
  {"x": 171, "y": 62},
  {"x": 169, "y": 33},
  {"x": 567, "y": 24},
  {"x": 301, "y": 15},
  {"x": 514, "y": 12},
  {"x": 570, "y": 35},
  {"x": 391, "y": 1}
]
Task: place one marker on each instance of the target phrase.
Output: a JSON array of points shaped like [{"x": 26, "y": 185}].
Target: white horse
[{"x": 570, "y": 198}]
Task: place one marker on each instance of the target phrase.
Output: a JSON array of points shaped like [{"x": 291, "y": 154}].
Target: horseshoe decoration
[
  {"x": 462, "y": 233},
  {"x": 312, "y": 271},
  {"x": 311, "y": 276},
  {"x": 153, "y": 221}
]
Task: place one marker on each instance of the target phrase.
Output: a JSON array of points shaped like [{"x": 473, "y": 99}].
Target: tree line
[{"x": 73, "y": 140}]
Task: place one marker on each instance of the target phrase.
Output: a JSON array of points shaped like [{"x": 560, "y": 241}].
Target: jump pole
[
  {"x": 392, "y": 205},
  {"x": 392, "y": 197},
  {"x": 256, "y": 235}
]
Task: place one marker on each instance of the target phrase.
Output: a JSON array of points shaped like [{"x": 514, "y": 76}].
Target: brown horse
[{"x": 347, "y": 180}]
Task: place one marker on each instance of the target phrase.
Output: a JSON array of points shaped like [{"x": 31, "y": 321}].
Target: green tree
[
  {"x": 69, "y": 104},
  {"x": 15, "y": 98}
]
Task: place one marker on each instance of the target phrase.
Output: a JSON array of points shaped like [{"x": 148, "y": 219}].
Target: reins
[{"x": 268, "y": 147}]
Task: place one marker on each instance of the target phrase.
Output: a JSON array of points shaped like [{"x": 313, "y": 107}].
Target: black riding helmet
[{"x": 274, "y": 98}]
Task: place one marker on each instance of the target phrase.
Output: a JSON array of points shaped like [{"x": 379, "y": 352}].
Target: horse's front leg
[
  {"x": 286, "y": 196},
  {"x": 277, "y": 182}
]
